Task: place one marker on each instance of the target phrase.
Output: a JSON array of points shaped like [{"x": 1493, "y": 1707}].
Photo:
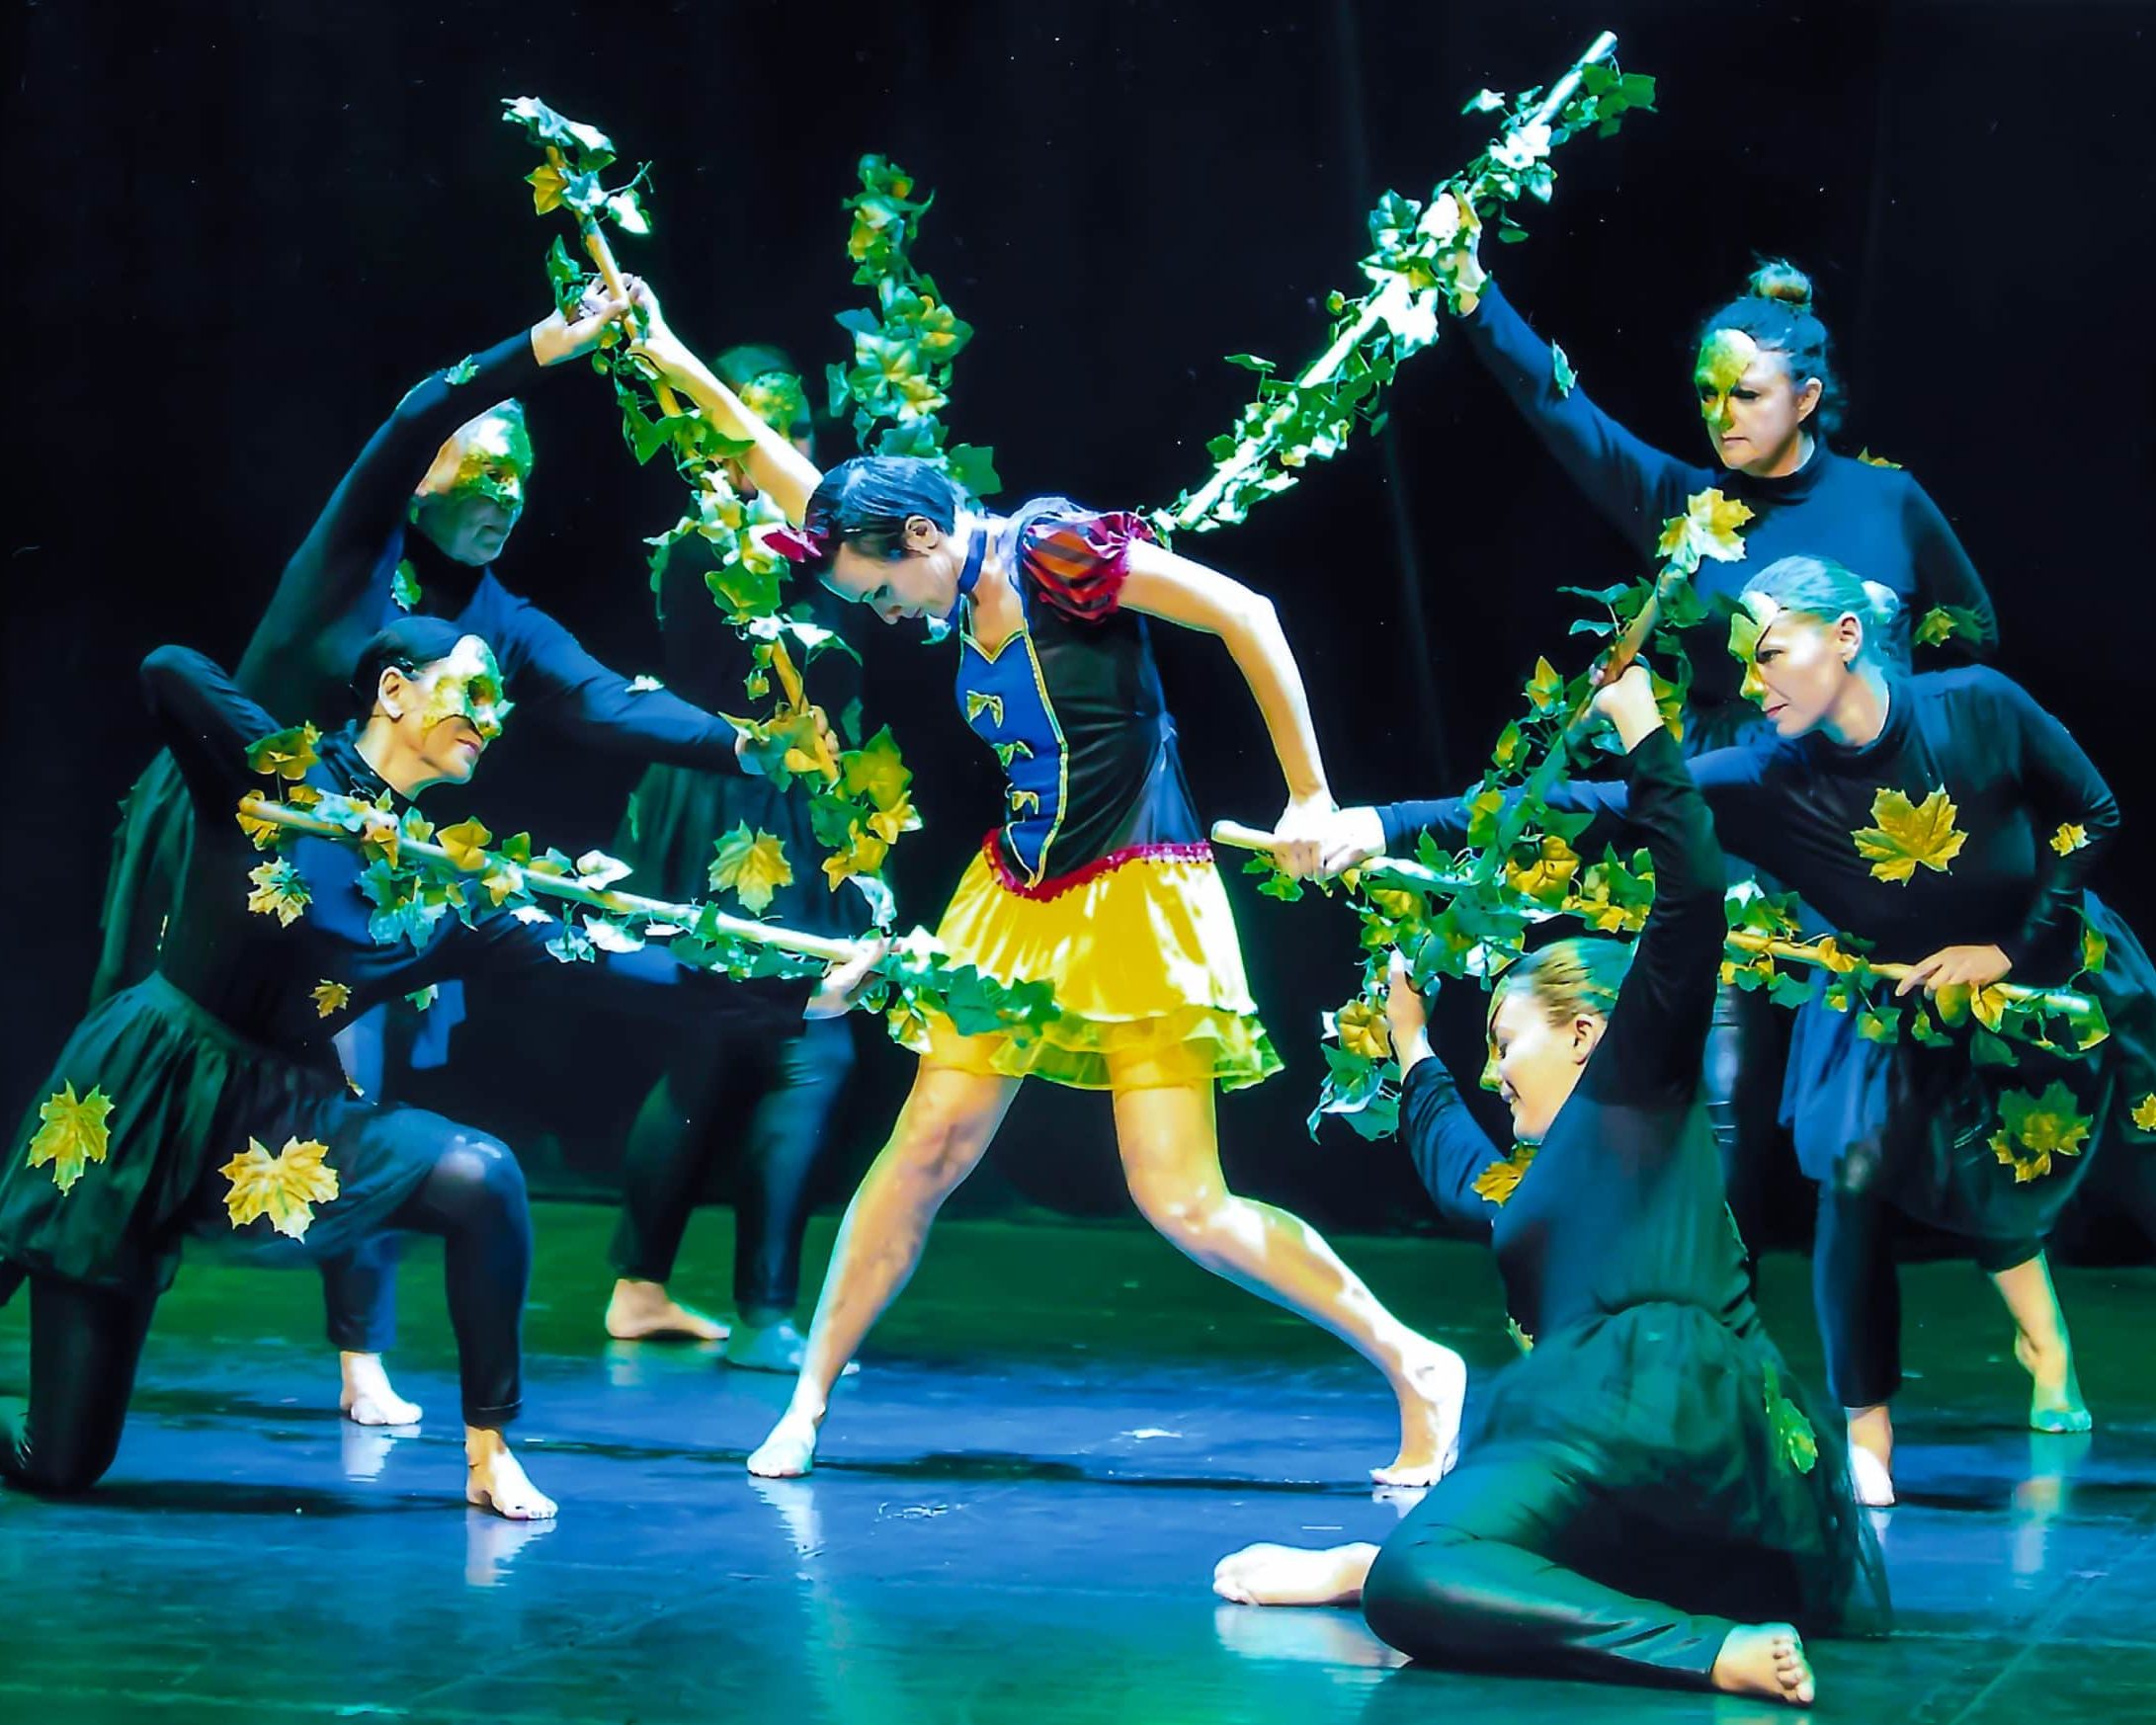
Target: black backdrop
[{"x": 241, "y": 230}]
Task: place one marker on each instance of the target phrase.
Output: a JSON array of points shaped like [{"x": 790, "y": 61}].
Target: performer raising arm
[
  {"x": 1642, "y": 1495},
  {"x": 1099, "y": 880},
  {"x": 174, "y": 1096}
]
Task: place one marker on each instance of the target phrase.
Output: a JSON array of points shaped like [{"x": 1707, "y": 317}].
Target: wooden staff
[
  {"x": 601, "y": 257},
  {"x": 256, "y": 807},
  {"x": 1391, "y": 303},
  {"x": 2070, "y": 1002}
]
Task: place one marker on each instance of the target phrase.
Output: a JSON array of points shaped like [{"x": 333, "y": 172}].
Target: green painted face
[
  {"x": 468, "y": 685},
  {"x": 1725, "y": 358},
  {"x": 1746, "y": 625},
  {"x": 496, "y": 457},
  {"x": 778, "y": 399}
]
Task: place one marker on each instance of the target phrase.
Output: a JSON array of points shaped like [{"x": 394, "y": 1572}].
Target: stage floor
[{"x": 1022, "y": 1497}]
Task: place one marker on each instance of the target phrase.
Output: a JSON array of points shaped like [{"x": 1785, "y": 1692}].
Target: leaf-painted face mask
[
  {"x": 494, "y": 457},
  {"x": 1755, "y": 614},
  {"x": 779, "y": 400},
  {"x": 468, "y": 685},
  {"x": 1725, "y": 358}
]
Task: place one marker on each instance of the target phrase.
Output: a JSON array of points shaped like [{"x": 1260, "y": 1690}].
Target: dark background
[{"x": 241, "y": 231}]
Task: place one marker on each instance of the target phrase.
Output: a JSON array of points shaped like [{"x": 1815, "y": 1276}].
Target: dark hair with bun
[{"x": 1775, "y": 310}]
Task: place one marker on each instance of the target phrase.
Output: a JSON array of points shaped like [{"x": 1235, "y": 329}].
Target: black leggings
[
  {"x": 85, "y": 1342},
  {"x": 1857, "y": 1292},
  {"x": 1516, "y": 1560},
  {"x": 769, "y": 1100}
]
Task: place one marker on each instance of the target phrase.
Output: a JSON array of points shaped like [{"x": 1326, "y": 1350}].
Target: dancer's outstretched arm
[
  {"x": 780, "y": 471},
  {"x": 1178, "y": 591}
]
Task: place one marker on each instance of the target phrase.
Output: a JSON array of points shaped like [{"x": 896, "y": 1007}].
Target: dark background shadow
[{"x": 241, "y": 231}]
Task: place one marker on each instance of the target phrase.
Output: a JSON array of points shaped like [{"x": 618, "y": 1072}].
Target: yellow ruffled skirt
[{"x": 1147, "y": 969}]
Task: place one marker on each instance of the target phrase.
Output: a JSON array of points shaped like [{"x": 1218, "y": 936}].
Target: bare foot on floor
[
  {"x": 367, "y": 1398},
  {"x": 641, "y": 1311},
  {"x": 790, "y": 1449},
  {"x": 1290, "y": 1575},
  {"x": 1431, "y": 1400},
  {"x": 2054, "y": 1399},
  {"x": 495, "y": 1480},
  {"x": 1765, "y": 1659},
  {"x": 1871, "y": 1456}
]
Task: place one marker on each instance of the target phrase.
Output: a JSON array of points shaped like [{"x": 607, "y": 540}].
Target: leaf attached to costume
[
  {"x": 752, "y": 866},
  {"x": 2069, "y": 839},
  {"x": 330, "y": 999},
  {"x": 404, "y": 586},
  {"x": 1498, "y": 1182},
  {"x": 73, "y": 1132},
  {"x": 1561, "y": 372},
  {"x": 1908, "y": 834},
  {"x": 1793, "y": 1434},
  {"x": 286, "y": 1187},
  {"x": 2036, "y": 1128},
  {"x": 978, "y": 703},
  {"x": 279, "y": 891},
  {"x": 2144, "y": 1112}
]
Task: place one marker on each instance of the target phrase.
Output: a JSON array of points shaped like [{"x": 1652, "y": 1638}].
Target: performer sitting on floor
[
  {"x": 1994, "y": 888},
  {"x": 1100, "y": 881},
  {"x": 1643, "y": 1495},
  {"x": 224, "y": 1054}
]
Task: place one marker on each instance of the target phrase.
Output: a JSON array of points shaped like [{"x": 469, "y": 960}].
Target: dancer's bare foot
[
  {"x": 495, "y": 1480},
  {"x": 1765, "y": 1659},
  {"x": 778, "y": 1346},
  {"x": 1291, "y": 1575},
  {"x": 641, "y": 1311},
  {"x": 2054, "y": 1399},
  {"x": 1871, "y": 1455},
  {"x": 367, "y": 1398},
  {"x": 1431, "y": 1397},
  {"x": 790, "y": 1449}
]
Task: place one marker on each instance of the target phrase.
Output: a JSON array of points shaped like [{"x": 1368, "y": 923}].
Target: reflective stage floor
[{"x": 1054, "y": 1435}]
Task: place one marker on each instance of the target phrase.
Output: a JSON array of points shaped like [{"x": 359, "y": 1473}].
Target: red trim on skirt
[{"x": 1191, "y": 851}]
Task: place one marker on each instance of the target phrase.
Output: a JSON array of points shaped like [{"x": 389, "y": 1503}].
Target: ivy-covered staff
[{"x": 1310, "y": 417}]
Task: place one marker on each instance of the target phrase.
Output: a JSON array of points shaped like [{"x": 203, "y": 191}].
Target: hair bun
[
  {"x": 1778, "y": 278},
  {"x": 1885, "y": 602}
]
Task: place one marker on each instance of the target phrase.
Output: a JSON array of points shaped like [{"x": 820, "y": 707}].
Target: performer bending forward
[
  {"x": 1099, "y": 882},
  {"x": 1643, "y": 1495}
]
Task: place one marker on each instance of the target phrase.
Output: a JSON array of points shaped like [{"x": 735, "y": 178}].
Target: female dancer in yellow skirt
[{"x": 1099, "y": 882}]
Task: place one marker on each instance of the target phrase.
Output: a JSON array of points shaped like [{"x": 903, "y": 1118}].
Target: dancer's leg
[
  {"x": 359, "y": 1287},
  {"x": 2040, "y": 1343},
  {"x": 84, "y": 1345},
  {"x": 947, "y": 1124},
  {"x": 680, "y": 1130},
  {"x": 1477, "y": 1576},
  {"x": 475, "y": 1199},
  {"x": 1856, "y": 1297},
  {"x": 786, "y": 1137},
  {"x": 1170, "y": 1159}
]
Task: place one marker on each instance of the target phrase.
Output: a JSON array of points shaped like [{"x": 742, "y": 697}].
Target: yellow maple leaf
[
  {"x": 286, "y": 1187},
  {"x": 330, "y": 999},
  {"x": 261, "y": 834},
  {"x": 466, "y": 843},
  {"x": 752, "y": 866},
  {"x": 1936, "y": 629},
  {"x": 1549, "y": 877},
  {"x": 877, "y": 771},
  {"x": 285, "y": 754},
  {"x": 280, "y": 892},
  {"x": 863, "y": 854},
  {"x": 73, "y": 1133},
  {"x": 1520, "y": 1337},
  {"x": 2036, "y": 1128},
  {"x": 1363, "y": 1030},
  {"x": 1959, "y": 1000},
  {"x": 547, "y": 183},
  {"x": 1546, "y": 688},
  {"x": 1498, "y": 1182},
  {"x": 2069, "y": 839},
  {"x": 886, "y": 824},
  {"x": 2144, "y": 1112},
  {"x": 1907, "y": 834},
  {"x": 1871, "y": 460},
  {"x": 504, "y": 884},
  {"x": 1714, "y": 521}
]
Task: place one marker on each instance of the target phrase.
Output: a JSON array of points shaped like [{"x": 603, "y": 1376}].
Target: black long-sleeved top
[
  {"x": 335, "y": 594},
  {"x": 1623, "y": 1203},
  {"x": 1875, "y": 520},
  {"x": 2014, "y": 774},
  {"x": 259, "y": 977}
]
